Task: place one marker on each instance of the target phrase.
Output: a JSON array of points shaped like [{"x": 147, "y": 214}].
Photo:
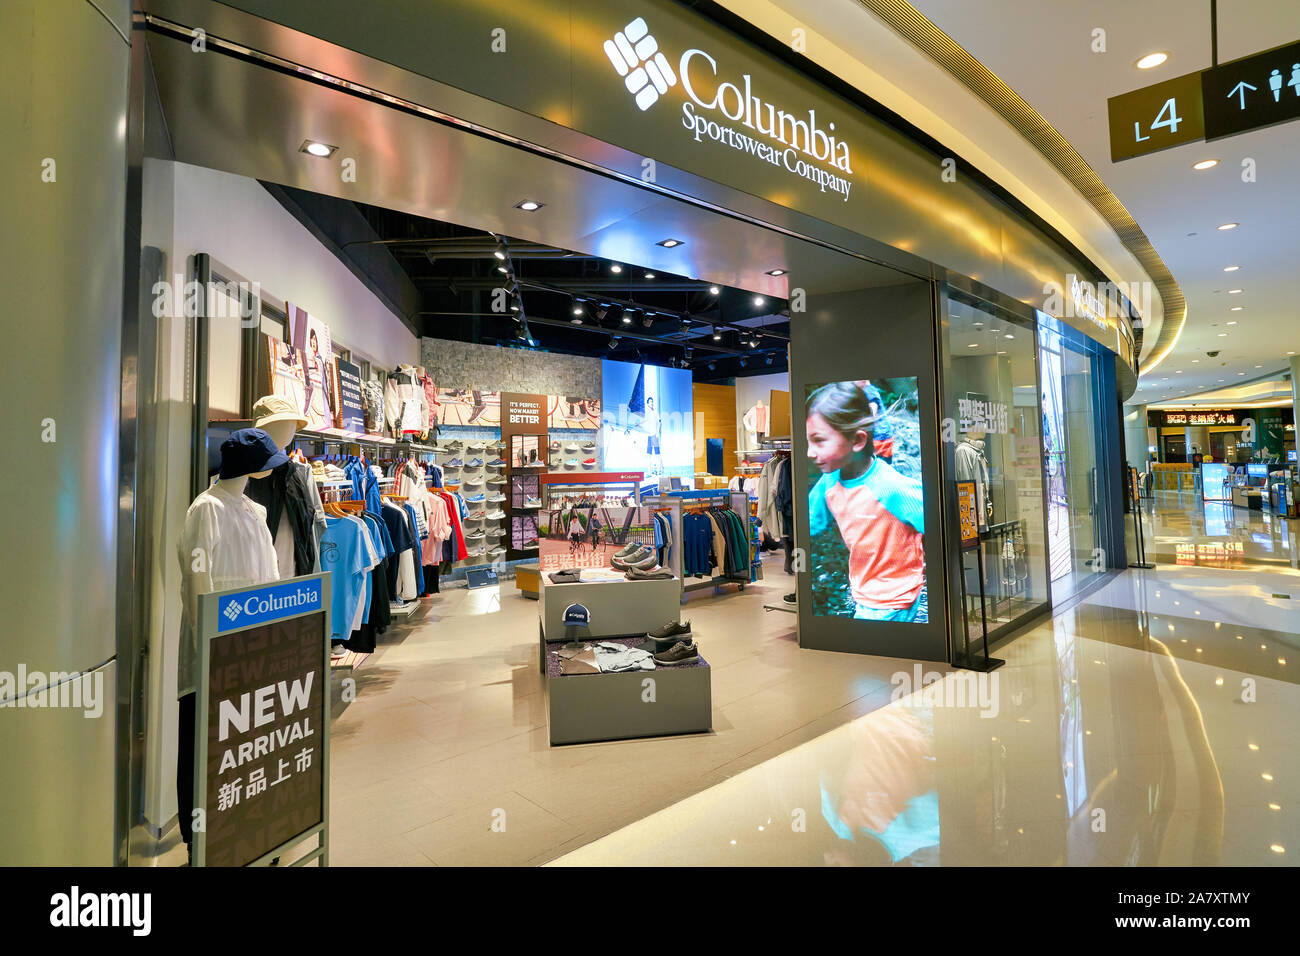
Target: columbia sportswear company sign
[
  {"x": 731, "y": 112},
  {"x": 260, "y": 605}
]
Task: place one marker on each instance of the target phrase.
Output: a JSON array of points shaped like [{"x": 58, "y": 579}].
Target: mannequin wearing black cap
[{"x": 224, "y": 544}]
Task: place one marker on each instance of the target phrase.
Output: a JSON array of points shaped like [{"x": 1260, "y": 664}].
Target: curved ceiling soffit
[{"x": 911, "y": 24}]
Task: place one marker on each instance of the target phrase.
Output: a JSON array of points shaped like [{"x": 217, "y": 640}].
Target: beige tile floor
[
  {"x": 1123, "y": 735},
  {"x": 443, "y": 758}
]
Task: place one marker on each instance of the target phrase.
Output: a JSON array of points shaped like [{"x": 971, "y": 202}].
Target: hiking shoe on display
[
  {"x": 475, "y": 552},
  {"x": 496, "y": 497},
  {"x": 496, "y": 481},
  {"x": 532, "y": 502},
  {"x": 454, "y": 463},
  {"x": 530, "y": 544},
  {"x": 472, "y": 480},
  {"x": 454, "y": 444},
  {"x": 496, "y": 463},
  {"x": 634, "y": 559},
  {"x": 496, "y": 533},
  {"x": 589, "y": 446},
  {"x": 475, "y": 535},
  {"x": 477, "y": 515},
  {"x": 683, "y": 652},
  {"x": 497, "y": 552},
  {"x": 627, "y": 549},
  {"x": 650, "y": 560},
  {"x": 476, "y": 463},
  {"x": 496, "y": 515},
  {"x": 555, "y": 446},
  {"x": 589, "y": 462},
  {"x": 477, "y": 446},
  {"x": 571, "y": 463},
  {"x": 572, "y": 446},
  {"x": 673, "y": 629},
  {"x": 791, "y": 599},
  {"x": 474, "y": 498}
]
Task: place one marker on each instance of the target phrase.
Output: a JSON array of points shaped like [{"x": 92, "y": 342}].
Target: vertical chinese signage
[
  {"x": 262, "y": 767},
  {"x": 967, "y": 516}
]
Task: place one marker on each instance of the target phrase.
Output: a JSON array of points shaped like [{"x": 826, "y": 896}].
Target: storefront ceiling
[
  {"x": 1043, "y": 51},
  {"x": 231, "y": 113}
]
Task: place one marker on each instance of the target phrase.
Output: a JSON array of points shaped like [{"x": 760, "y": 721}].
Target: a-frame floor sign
[{"x": 261, "y": 728}]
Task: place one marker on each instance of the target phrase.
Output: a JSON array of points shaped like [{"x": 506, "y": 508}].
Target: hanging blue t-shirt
[{"x": 343, "y": 554}]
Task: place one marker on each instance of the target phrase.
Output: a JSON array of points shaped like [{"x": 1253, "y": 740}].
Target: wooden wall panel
[{"x": 715, "y": 417}]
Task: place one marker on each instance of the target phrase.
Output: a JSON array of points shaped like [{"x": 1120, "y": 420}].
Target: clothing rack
[{"x": 678, "y": 503}]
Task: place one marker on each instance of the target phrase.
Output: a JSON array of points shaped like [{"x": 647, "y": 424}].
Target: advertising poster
[
  {"x": 525, "y": 452},
  {"x": 568, "y": 411},
  {"x": 647, "y": 423},
  {"x": 1215, "y": 481},
  {"x": 311, "y": 336},
  {"x": 468, "y": 406},
  {"x": 288, "y": 378},
  {"x": 967, "y": 517},
  {"x": 866, "y": 500},
  {"x": 578, "y": 533},
  {"x": 351, "y": 417}
]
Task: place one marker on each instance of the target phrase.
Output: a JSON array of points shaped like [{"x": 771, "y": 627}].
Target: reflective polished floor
[
  {"x": 1155, "y": 722},
  {"x": 1184, "y": 530}
]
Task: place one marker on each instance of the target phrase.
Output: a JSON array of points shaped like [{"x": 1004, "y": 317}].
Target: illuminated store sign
[
  {"x": 648, "y": 75},
  {"x": 1209, "y": 417}
]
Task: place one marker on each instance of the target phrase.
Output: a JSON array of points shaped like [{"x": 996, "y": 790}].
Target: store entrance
[{"x": 534, "y": 330}]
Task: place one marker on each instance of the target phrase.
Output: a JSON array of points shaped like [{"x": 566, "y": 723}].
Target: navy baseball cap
[{"x": 249, "y": 450}]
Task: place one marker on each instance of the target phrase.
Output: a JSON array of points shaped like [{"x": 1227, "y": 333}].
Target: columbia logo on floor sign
[
  {"x": 636, "y": 56},
  {"x": 270, "y": 603}
]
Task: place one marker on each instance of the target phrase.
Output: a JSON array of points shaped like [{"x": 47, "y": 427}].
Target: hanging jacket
[
  {"x": 430, "y": 403},
  {"x": 286, "y": 487}
]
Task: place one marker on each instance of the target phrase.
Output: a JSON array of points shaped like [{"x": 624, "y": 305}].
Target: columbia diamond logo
[
  {"x": 645, "y": 70},
  {"x": 232, "y": 610}
]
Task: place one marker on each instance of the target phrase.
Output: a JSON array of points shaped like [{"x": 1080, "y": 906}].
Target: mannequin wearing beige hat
[{"x": 289, "y": 493}]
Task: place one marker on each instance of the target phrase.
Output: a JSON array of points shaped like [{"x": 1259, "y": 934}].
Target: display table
[
  {"x": 618, "y": 608},
  {"x": 528, "y": 580},
  {"x": 582, "y": 708},
  {"x": 1252, "y": 498}
]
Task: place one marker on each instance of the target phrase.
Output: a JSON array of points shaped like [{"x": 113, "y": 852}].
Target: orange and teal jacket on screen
[{"x": 881, "y": 516}]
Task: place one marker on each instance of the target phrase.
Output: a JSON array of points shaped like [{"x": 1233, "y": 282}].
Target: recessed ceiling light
[
  {"x": 1290, "y": 353},
  {"x": 776, "y": 272},
  {"x": 1232, "y": 322},
  {"x": 503, "y": 269},
  {"x": 1228, "y": 225},
  {"x": 1178, "y": 372},
  {"x": 529, "y": 205},
  {"x": 717, "y": 334},
  {"x": 1259, "y": 366},
  {"x": 973, "y": 345},
  {"x": 1195, "y": 361},
  {"x": 1222, "y": 334},
  {"x": 627, "y": 319},
  {"x": 1151, "y": 61},
  {"x": 577, "y": 309},
  {"x": 649, "y": 275},
  {"x": 713, "y": 290},
  {"x": 1231, "y": 268},
  {"x": 1241, "y": 373},
  {"x": 1009, "y": 336},
  {"x": 514, "y": 308},
  {"x": 1205, "y": 164},
  {"x": 670, "y": 243},
  {"x": 616, "y": 268},
  {"x": 759, "y": 300},
  {"x": 1236, "y": 308},
  {"x": 315, "y": 148},
  {"x": 1234, "y": 292}
]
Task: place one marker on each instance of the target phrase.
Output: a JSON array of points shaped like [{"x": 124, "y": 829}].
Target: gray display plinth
[
  {"x": 618, "y": 608},
  {"x": 584, "y": 708}
]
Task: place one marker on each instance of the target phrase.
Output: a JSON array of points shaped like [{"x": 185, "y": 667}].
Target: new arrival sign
[{"x": 262, "y": 721}]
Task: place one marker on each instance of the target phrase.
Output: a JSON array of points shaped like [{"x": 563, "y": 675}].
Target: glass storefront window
[
  {"x": 1075, "y": 513},
  {"x": 998, "y": 444}
]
